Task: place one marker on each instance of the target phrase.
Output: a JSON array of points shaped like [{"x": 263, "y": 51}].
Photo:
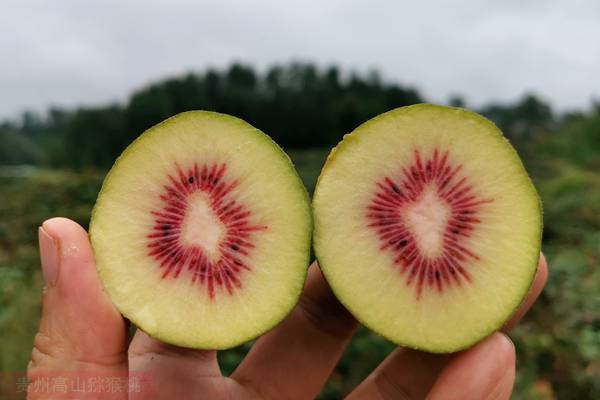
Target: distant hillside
[{"x": 299, "y": 105}]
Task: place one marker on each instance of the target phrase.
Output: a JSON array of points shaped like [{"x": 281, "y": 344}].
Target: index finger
[
  {"x": 310, "y": 340},
  {"x": 541, "y": 276}
]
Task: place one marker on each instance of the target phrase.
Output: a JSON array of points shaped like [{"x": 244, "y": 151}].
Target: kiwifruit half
[
  {"x": 201, "y": 231},
  {"x": 427, "y": 226}
]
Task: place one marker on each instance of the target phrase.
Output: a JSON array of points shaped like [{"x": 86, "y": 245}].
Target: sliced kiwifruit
[
  {"x": 201, "y": 231},
  {"x": 427, "y": 226}
]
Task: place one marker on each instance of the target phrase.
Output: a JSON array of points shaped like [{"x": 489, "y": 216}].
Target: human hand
[{"x": 82, "y": 332}]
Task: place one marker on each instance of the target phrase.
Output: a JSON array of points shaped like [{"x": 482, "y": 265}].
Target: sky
[{"x": 70, "y": 53}]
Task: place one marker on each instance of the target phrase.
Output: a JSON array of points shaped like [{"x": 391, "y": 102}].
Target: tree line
[{"x": 299, "y": 105}]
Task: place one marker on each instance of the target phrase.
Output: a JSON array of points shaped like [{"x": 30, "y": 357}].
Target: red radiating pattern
[
  {"x": 165, "y": 242},
  {"x": 391, "y": 197}
]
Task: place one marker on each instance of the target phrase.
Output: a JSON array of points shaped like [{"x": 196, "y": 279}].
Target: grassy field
[{"x": 558, "y": 343}]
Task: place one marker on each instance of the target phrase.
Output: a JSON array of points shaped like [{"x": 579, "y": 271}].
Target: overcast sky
[{"x": 73, "y": 52}]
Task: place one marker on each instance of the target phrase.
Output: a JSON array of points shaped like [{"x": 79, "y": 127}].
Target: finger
[
  {"x": 404, "y": 374},
  {"x": 485, "y": 371},
  {"x": 537, "y": 286},
  {"x": 175, "y": 372},
  {"x": 412, "y": 374},
  {"x": 294, "y": 360},
  {"x": 80, "y": 329},
  {"x": 397, "y": 376}
]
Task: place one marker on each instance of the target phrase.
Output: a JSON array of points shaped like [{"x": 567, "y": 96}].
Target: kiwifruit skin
[{"x": 351, "y": 137}]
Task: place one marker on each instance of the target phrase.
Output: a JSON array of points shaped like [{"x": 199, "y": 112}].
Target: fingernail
[
  {"x": 509, "y": 340},
  {"x": 49, "y": 257}
]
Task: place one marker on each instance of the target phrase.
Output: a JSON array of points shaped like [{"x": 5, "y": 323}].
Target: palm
[{"x": 82, "y": 331}]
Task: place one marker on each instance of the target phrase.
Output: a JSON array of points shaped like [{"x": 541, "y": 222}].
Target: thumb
[
  {"x": 80, "y": 330},
  {"x": 485, "y": 371}
]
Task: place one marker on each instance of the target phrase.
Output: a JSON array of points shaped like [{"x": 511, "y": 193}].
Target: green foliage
[
  {"x": 94, "y": 137},
  {"x": 558, "y": 344},
  {"x": 578, "y": 142},
  {"x": 528, "y": 116},
  {"x": 18, "y": 149}
]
